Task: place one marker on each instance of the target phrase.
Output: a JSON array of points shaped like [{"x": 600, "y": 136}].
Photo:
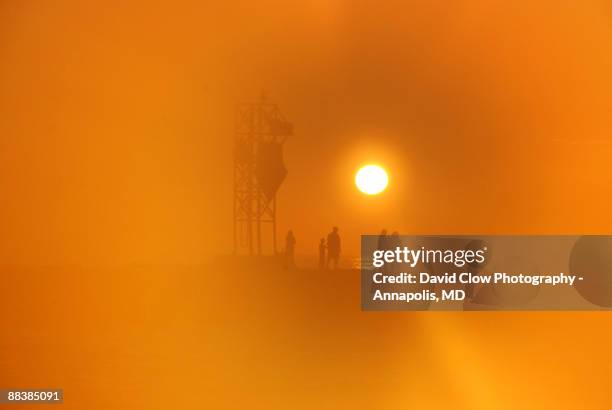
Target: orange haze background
[{"x": 116, "y": 136}]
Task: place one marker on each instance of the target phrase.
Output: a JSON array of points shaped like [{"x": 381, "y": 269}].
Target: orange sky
[
  {"x": 116, "y": 135},
  {"x": 116, "y": 121}
]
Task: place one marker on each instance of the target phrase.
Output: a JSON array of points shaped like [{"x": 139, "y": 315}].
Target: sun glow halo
[{"x": 371, "y": 179}]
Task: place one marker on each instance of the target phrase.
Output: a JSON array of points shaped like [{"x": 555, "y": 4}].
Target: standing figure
[
  {"x": 290, "y": 249},
  {"x": 382, "y": 240},
  {"x": 383, "y": 245},
  {"x": 333, "y": 247},
  {"x": 322, "y": 248},
  {"x": 394, "y": 241}
]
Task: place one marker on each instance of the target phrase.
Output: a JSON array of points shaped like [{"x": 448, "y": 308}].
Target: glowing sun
[{"x": 371, "y": 179}]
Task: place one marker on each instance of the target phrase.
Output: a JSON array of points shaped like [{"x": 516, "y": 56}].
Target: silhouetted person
[
  {"x": 322, "y": 249},
  {"x": 382, "y": 240},
  {"x": 333, "y": 247},
  {"x": 290, "y": 249},
  {"x": 394, "y": 240}
]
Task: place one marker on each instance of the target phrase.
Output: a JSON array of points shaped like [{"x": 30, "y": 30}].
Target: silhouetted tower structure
[{"x": 261, "y": 131}]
